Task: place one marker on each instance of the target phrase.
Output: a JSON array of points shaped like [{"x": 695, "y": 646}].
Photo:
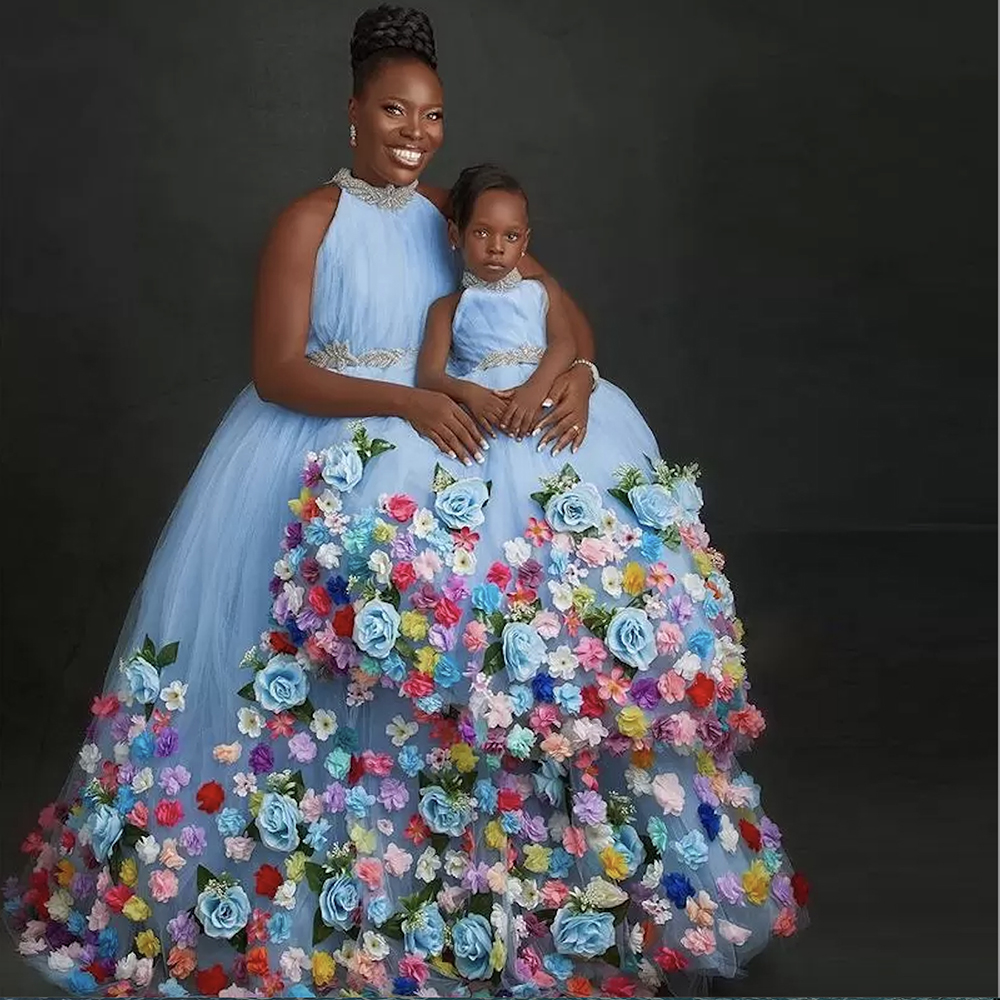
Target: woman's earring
[{"x": 354, "y": 134}]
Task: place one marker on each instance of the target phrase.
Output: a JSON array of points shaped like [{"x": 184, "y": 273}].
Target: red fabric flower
[
  {"x": 104, "y": 707},
  {"x": 465, "y": 538},
  {"x": 343, "y": 620},
  {"x": 702, "y": 690},
  {"x": 508, "y": 800},
  {"x": 750, "y": 834},
  {"x": 619, "y": 986},
  {"x": 403, "y": 575},
  {"x": 280, "y": 643},
  {"x": 211, "y": 982},
  {"x": 800, "y": 888},
  {"x": 447, "y": 612},
  {"x": 670, "y": 960},
  {"x": 593, "y": 703},
  {"x": 117, "y": 896},
  {"x": 320, "y": 600},
  {"x": 210, "y": 797},
  {"x": 169, "y": 812},
  {"x": 499, "y": 573},
  {"x": 401, "y": 507},
  {"x": 257, "y": 962},
  {"x": 356, "y": 772},
  {"x": 417, "y": 685},
  {"x": 417, "y": 830},
  {"x": 267, "y": 880}
]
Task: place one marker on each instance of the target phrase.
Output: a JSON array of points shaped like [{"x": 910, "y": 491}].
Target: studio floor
[{"x": 874, "y": 659}]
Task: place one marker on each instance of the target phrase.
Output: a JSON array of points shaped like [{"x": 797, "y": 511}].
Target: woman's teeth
[{"x": 407, "y": 157}]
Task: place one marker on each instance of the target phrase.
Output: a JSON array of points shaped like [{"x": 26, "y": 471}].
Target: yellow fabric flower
[
  {"x": 147, "y": 943},
  {"x": 65, "y": 872},
  {"x": 702, "y": 562},
  {"x": 632, "y": 722},
  {"x": 704, "y": 763},
  {"x": 324, "y": 968},
  {"x": 425, "y": 659},
  {"x": 494, "y": 835},
  {"x": 136, "y": 909},
  {"x": 463, "y": 758},
  {"x": 413, "y": 625},
  {"x": 129, "y": 873},
  {"x": 734, "y": 670},
  {"x": 445, "y": 968},
  {"x": 498, "y": 955},
  {"x": 633, "y": 579},
  {"x": 254, "y": 802},
  {"x": 756, "y": 883},
  {"x": 614, "y": 864},
  {"x": 383, "y": 531},
  {"x": 537, "y": 858},
  {"x": 583, "y": 597},
  {"x": 363, "y": 840},
  {"x": 295, "y": 866},
  {"x": 738, "y": 630}
]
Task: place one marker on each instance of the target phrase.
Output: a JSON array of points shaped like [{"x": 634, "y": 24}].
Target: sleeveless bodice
[
  {"x": 493, "y": 327},
  {"x": 377, "y": 271}
]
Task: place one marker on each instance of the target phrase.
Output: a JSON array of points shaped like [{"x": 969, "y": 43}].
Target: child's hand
[
  {"x": 523, "y": 409},
  {"x": 486, "y": 406}
]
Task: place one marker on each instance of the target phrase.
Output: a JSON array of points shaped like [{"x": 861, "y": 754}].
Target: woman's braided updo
[{"x": 389, "y": 32}]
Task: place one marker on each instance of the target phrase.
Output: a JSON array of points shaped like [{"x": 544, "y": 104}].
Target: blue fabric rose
[
  {"x": 558, "y": 965},
  {"x": 486, "y": 597},
  {"x": 585, "y": 934},
  {"x": 223, "y": 911},
  {"x": 280, "y": 685},
  {"x": 576, "y": 509},
  {"x": 343, "y": 467},
  {"x": 472, "y": 941},
  {"x": 338, "y": 900},
  {"x": 230, "y": 822},
  {"x": 80, "y": 981},
  {"x": 523, "y": 650},
  {"x": 485, "y": 793},
  {"x": 277, "y": 821},
  {"x": 701, "y": 642},
  {"x": 522, "y": 699},
  {"x": 446, "y": 672},
  {"x": 631, "y": 638},
  {"x": 442, "y": 812},
  {"x": 376, "y": 628},
  {"x": 629, "y": 846},
  {"x": 461, "y": 504},
  {"x": 142, "y": 678},
  {"x": 688, "y": 497},
  {"x": 105, "y": 830},
  {"x": 279, "y": 927},
  {"x": 423, "y": 932},
  {"x": 411, "y": 760},
  {"x": 678, "y": 888},
  {"x": 653, "y": 506},
  {"x": 379, "y": 910},
  {"x": 709, "y": 820}
]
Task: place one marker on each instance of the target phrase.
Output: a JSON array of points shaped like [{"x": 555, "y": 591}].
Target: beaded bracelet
[{"x": 594, "y": 373}]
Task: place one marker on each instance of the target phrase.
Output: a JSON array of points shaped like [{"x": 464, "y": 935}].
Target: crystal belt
[
  {"x": 523, "y": 354},
  {"x": 338, "y": 355}
]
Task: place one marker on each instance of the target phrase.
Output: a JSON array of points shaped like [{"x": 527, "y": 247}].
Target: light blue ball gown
[{"x": 383, "y": 723}]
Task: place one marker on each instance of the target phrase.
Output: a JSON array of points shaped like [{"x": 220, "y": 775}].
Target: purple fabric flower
[
  {"x": 83, "y": 885},
  {"x": 617, "y": 744},
  {"x": 730, "y": 888},
  {"x": 57, "y": 935},
  {"x": 167, "y": 742},
  {"x": 312, "y": 474},
  {"x": 536, "y": 927},
  {"x": 660, "y": 729},
  {"x": 120, "y": 726},
  {"x": 274, "y": 587},
  {"x": 703, "y": 789},
  {"x": 309, "y": 569},
  {"x": 441, "y": 637},
  {"x": 424, "y": 598},
  {"x": 457, "y": 589},
  {"x": 530, "y": 574},
  {"x": 476, "y": 878},
  {"x": 261, "y": 759},
  {"x": 402, "y": 548},
  {"x": 770, "y": 833},
  {"x": 127, "y": 772},
  {"x": 781, "y": 889},
  {"x": 681, "y": 609},
  {"x": 344, "y": 653},
  {"x": 335, "y": 797},
  {"x": 173, "y": 779},
  {"x": 393, "y": 794},
  {"x": 533, "y": 827},
  {"x": 183, "y": 930},
  {"x": 293, "y": 536},
  {"x": 589, "y": 808},
  {"x": 192, "y": 839},
  {"x": 645, "y": 693},
  {"x": 467, "y": 730},
  {"x": 302, "y": 748},
  {"x": 308, "y": 620}
]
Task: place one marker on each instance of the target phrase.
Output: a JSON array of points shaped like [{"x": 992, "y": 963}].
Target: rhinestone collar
[
  {"x": 390, "y": 197},
  {"x": 504, "y": 284}
]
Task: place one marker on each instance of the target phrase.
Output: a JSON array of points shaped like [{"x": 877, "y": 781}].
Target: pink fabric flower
[
  {"x": 369, "y": 870},
  {"x": 379, "y": 764},
  {"x": 574, "y": 841},
  {"x": 671, "y": 686},
  {"x": 594, "y": 551},
  {"x": 669, "y": 638},
  {"x": 591, "y": 653},
  {"x": 162, "y": 885},
  {"x": 699, "y": 940},
  {"x": 414, "y": 967},
  {"x": 474, "y": 638},
  {"x": 397, "y": 861},
  {"x": 669, "y": 793},
  {"x": 302, "y": 748}
]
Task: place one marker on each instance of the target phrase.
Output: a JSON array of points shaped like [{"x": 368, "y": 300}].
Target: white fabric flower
[
  {"x": 562, "y": 595},
  {"x": 399, "y": 730},
  {"x": 611, "y": 580},
  {"x": 653, "y": 875},
  {"x": 250, "y": 722},
  {"x": 375, "y": 945},
  {"x": 456, "y": 863},
  {"x": 733, "y": 933},
  {"x": 381, "y": 565},
  {"x": 638, "y": 781},
  {"x": 148, "y": 850},
  {"x": 688, "y": 665},
  {"x": 323, "y": 724},
  {"x": 244, "y": 784},
  {"x": 122, "y": 751},
  {"x": 694, "y": 585},
  {"x": 563, "y": 663},
  {"x": 283, "y": 569},
  {"x": 173, "y": 696},
  {"x": 669, "y": 793},
  {"x": 293, "y": 962},
  {"x": 463, "y": 562},
  {"x": 602, "y": 894},
  {"x": 61, "y": 960},
  {"x": 428, "y": 864},
  {"x": 328, "y": 555},
  {"x": 658, "y": 909},
  {"x": 90, "y": 757},
  {"x": 517, "y": 551},
  {"x": 285, "y": 895},
  {"x": 729, "y": 836},
  {"x": 125, "y": 968},
  {"x": 424, "y": 522}
]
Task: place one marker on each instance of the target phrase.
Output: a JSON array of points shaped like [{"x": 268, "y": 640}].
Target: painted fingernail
[
  {"x": 452, "y": 454},
  {"x": 485, "y": 444},
  {"x": 479, "y": 457},
  {"x": 466, "y": 461},
  {"x": 540, "y": 447},
  {"x": 534, "y": 433},
  {"x": 546, "y": 403}
]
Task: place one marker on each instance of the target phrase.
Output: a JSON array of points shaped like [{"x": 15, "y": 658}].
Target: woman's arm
[{"x": 281, "y": 372}]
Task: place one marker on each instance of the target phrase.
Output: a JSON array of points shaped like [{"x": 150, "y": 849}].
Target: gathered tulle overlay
[{"x": 383, "y": 724}]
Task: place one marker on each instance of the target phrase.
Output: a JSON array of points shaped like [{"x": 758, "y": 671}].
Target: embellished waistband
[
  {"x": 338, "y": 355},
  {"x": 523, "y": 354}
]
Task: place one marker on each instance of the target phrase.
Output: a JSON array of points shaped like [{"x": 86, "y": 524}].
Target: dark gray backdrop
[{"x": 779, "y": 216}]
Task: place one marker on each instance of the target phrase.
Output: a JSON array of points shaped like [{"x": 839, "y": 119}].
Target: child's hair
[{"x": 474, "y": 181}]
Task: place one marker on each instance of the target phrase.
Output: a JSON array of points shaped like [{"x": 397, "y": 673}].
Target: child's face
[{"x": 497, "y": 234}]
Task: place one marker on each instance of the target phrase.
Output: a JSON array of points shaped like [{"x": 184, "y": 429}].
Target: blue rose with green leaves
[
  {"x": 631, "y": 638},
  {"x": 342, "y": 467},
  {"x": 588, "y": 935},
  {"x": 281, "y": 684},
  {"x": 142, "y": 679},
  {"x": 339, "y": 900},
  {"x": 472, "y": 941},
  {"x": 376, "y": 628},
  {"x": 575, "y": 510},
  {"x": 460, "y": 505},
  {"x": 222, "y": 910},
  {"x": 277, "y": 820},
  {"x": 523, "y": 650}
]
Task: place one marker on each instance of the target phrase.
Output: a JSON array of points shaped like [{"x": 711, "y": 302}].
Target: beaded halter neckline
[
  {"x": 504, "y": 284},
  {"x": 391, "y": 198}
]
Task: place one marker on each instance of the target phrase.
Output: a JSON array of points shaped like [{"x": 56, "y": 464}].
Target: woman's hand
[
  {"x": 487, "y": 406},
  {"x": 438, "y": 417},
  {"x": 566, "y": 420}
]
